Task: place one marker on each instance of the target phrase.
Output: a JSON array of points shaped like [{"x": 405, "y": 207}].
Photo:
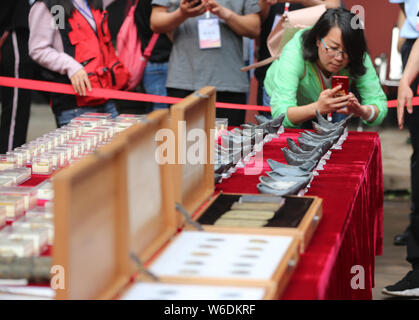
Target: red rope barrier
[
  {"x": 108, "y": 94},
  {"x": 131, "y": 96}
]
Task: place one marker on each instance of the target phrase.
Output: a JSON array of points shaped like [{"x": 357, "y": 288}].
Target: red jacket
[{"x": 94, "y": 50}]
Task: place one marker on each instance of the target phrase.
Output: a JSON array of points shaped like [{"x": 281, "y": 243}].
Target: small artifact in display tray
[
  {"x": 17, "y": 247},
  {"x": 55, "y": 158},
  {"x": 36, "y": 223},
  {"x": 6, "y": 182},
  {"x": 40, "y": 212},
  {"x": 20, "y": 157},
  {"x": 293, "y": 215},
  {"x": 19, "y": 175},
  {"x": 38, "y": 235},
  {"x": 102, "y": 256},
  {"x": 29, "y": 195},
  {"x": 15, "y": 206},
  {"x": 42, "y": 165},
  {"x": 7, "y": 161},
  {"x": 45, "y": 190}
]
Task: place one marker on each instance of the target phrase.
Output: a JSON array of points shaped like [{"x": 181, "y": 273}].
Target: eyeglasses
[{"x": 334, "y": 53}]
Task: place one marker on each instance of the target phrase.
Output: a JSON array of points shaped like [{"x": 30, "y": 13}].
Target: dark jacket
[
  {"x": 14, "y": 15},
  {"x": 163, "y": 46}
]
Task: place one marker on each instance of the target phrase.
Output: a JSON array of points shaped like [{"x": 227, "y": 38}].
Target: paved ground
[{"x": 390, "y": 267}]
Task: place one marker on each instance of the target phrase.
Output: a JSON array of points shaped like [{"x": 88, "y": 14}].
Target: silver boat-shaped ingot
[
  {"x": 293, "y": 188},
  {"x": 289, "y": 170},
  {"x": 277, "y": 122},
  {"x": 322, "y": 130},
  {"x": 316, "y": 154},
  {"x": 330, "y": 125},
  {"x": 248, "y": 125},
  {"x": 310, "y": 144},
  {"x": 261, "y": 119},
  {"x": 258, "y": 199},
  {"x": 276, "y": 176},
  {"x": 295, "y": 148},
  {"x": 338, "y": 132},
  {"x": 323, "y": 122},
  {"x": 308, "y": 137},
  {"x": 296, "y": 161}
]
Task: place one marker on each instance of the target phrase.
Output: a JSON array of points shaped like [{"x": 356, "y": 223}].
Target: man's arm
[
  {"x": 247, "y": 25},
  {"x": 405, "y": 93}
]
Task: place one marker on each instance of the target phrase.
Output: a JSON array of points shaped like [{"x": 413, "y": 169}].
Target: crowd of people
[{"x": 200, "y": 43}]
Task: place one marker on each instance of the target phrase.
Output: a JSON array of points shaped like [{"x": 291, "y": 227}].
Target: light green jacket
[{"x": 292, "y": 81}]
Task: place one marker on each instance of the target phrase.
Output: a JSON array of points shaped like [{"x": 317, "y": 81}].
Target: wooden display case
[
  {"x": 121, "y": 201},
  {"x": 91, "y": 242}
]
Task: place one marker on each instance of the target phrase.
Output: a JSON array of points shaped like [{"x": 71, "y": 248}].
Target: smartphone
[{"x": 344, "y": 82}]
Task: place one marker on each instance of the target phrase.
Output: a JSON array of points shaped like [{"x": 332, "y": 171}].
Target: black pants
[
  {"x": 15, "y": 107},
  {"x": 412, "y": 122},
  {"x": 235, "y": 117}
]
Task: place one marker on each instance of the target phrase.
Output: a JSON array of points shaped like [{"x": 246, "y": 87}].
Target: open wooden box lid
[
  {"x": 109, "y": 205},
  {"x": 193, "y": 121},
  {"x": 90, "y": 219},
  {"x": 150, "y": 190}
]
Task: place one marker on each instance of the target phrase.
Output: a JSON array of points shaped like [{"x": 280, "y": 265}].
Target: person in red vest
[{"x": 70, "y": 39}]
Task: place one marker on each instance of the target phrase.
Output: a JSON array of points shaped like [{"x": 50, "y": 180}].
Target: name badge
[{"x": 209, "y": 33}]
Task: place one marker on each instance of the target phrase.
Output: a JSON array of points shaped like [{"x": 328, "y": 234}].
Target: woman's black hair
[
  {"x": 69, "y": 7},
  {"x": 353, "y": 38}
]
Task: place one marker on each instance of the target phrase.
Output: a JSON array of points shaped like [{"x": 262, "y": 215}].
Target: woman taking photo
[{"x": 299, "y": 83}]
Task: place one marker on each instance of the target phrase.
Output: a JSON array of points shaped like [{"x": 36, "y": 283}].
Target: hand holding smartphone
[{"x": 344, "y": 82}]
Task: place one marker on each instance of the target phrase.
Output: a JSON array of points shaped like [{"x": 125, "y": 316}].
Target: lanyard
[
  {"x": 287, "y": 7},
  {"x": 323, "y": 86},
  {"x": 87, "y": 14}
]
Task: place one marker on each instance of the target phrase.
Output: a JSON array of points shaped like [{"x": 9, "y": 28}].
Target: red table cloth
[{"x": 350, "y": 234}]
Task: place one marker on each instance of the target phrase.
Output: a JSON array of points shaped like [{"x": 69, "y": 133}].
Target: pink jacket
[{"x": 45, "y": 43}]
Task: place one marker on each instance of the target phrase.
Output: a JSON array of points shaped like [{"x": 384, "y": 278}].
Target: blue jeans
[
  {"x": 266, "y": 98},
  {"x": 66, "y": 116},
  {"x": 154, "y": 81},
  {"x": 336, "y": 117}
]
